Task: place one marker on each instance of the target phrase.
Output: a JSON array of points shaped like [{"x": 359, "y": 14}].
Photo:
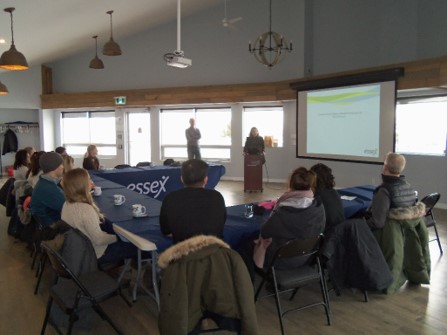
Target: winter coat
[
  {"x": 10, "y": 143},
  {"x": 404, "y": 243},
  {"x": 202, "y": 274},
  {"x": 354, "y": 259}
]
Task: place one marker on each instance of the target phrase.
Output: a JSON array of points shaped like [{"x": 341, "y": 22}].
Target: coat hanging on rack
[{"x": 10, "y": 143}]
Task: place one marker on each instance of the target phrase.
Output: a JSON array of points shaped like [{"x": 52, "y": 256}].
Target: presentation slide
[
  {"x": 349, "y": 122},
  {"x": 344, "y": 121}
]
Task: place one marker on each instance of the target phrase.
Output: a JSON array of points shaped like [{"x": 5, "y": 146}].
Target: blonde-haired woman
[
  {"x": 91, "y": 161},
  {"x": 80, "y": 212}
]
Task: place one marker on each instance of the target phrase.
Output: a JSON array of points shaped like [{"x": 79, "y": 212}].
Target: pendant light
[
  {"x": 3, "y": 89},
  {"x": 270, "y": 47},
  {"x": 111, "y": 48},
  {"x": 13, "y": 59},
  {"x": 96, "y": 63}
]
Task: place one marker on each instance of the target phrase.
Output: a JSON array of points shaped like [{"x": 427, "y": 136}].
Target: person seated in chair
[
  {"x": 333, "y": 206},
  {"x": 193, "y": 210},
  {"x": 48, "y": 197},
  {"x": 80, "y": 212},
  {"x": 396, "y": 218},
  {"x": 296, "y": 215}
]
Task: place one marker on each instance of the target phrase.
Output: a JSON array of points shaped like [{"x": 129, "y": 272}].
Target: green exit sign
[{"x": 120, "y": 100}]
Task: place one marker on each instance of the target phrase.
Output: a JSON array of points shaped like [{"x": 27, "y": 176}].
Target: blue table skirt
[{"x": 155, "y": 181}]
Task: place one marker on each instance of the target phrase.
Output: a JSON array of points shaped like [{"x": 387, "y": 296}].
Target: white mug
[
  {"x": 119, "y": 199},
  {"x": 97, "y": 191},
  {"x": 138, "y": 210}
]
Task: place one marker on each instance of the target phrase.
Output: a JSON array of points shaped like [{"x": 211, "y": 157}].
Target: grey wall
[{"x": 340, "y": 35}]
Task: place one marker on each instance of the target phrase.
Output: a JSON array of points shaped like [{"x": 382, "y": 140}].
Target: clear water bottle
[{"x": 248, "y": 211}]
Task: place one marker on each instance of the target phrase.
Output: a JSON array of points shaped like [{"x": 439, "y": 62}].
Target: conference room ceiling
[{"x": 49, "y": 30}]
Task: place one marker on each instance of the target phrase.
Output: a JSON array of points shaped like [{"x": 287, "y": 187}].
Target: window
[
  {"x": 268, "y": 120},
  {"x": 214, "y": 125},
  {"x": 421, "y": 126},
  {"x": 79, "y": 129}
]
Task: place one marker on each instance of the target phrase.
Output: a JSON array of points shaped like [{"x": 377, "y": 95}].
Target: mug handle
[
  {"x": 143, "y": 210},
  {"x": 123, "y": 199}
]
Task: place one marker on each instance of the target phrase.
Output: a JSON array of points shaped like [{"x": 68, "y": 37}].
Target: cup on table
[
  {"x": 119, "y": 199},
  {"x": 97, "y": 191},
  {"x": 138, "y": 210},
  {"x": 248, "y": 211}
]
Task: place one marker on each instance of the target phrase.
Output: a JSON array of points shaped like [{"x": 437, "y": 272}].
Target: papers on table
[{"x": 347, "y": 197}]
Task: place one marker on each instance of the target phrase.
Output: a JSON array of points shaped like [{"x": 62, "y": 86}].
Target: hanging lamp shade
[
  {"x": 13, "y": 59},
  {"x": 96, "y": 63},
  {"x": 111, "y": 48},
  {"x": 3, "y": 89}
]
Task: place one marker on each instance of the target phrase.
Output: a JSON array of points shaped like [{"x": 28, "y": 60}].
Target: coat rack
[{"x": 20, "y": 127}]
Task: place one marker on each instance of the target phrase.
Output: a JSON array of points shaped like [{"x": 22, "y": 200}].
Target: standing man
[
  {"x": 194, "y": 209},
  {"x": 192, "y": 137}
]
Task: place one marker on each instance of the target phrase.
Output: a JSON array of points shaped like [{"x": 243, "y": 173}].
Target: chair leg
[
  {"x": 437, "y": 239},
  {"x": 278, "y": 304},
  {"x": 259, "y": 289},
  {"x": 47, "y": 315},
  {"x": 98, "y": 309},
  {"x": 41, "y": 268},
  {"x": 365, "y": 295}
]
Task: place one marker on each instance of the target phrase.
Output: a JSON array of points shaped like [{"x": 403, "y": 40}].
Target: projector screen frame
[{"x": 338, "y": 82}]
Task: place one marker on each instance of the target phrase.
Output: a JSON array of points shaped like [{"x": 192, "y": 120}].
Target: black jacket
[
  {"x": 354, "y": 258},
  {"x": 10, "y": 143}
]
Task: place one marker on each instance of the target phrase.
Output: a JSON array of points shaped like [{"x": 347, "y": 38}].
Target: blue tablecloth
[
  {"x": 155, "y": 181},
  {"x": 237, "y": 228},
  {"x": 104, "y": 183},
  {"x": 124, "y": 212}
]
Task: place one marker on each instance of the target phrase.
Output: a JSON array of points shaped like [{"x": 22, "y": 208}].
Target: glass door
[{"x": 139, "y": 137}]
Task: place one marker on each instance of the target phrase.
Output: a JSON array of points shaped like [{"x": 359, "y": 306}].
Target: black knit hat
[{"x": 50, "y": 161}]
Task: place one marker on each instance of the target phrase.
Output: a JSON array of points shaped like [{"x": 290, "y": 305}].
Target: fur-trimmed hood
[
  {"x": 187, "y": 247},
  {"x": 407, "y": 213}
]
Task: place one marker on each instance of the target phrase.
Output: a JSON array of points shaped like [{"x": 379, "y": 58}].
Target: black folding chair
[
  {"x": 77, "y": 293},
  {"x": 122, "y": 166},
  {"x": 430, "y": 202},
  {"x": 140, "y": 164},
  {"x": 306, "y": 269}
]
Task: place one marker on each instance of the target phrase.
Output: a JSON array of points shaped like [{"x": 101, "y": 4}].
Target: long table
[
  {"x": 155, "y": 181},
  {"x": 145, "y": 232}
]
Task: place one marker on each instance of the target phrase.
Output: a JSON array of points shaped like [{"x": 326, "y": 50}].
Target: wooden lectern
[{"x": 253, "y": 172}]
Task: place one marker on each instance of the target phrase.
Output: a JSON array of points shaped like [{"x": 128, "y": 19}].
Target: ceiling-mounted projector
[{"x": 178, "y": 61}]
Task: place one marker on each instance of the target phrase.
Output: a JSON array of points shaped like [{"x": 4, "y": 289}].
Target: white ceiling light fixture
[
  {"x": 270, "y": 48},
  {"x": 177, "y": 58}
]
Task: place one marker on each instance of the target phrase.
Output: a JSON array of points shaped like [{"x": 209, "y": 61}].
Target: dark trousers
[{"x": 194, "y": 152}]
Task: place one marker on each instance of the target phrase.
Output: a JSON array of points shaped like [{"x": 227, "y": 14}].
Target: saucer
[
  {"x": 119, "y": 204},
  {"x": 140, "y": 216}
]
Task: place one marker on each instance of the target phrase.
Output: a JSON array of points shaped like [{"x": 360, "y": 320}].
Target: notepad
[{"x": 347, "y": 197}]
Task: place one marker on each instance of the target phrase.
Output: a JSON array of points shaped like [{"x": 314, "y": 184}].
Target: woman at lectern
[{"x": 254, "y": 144}]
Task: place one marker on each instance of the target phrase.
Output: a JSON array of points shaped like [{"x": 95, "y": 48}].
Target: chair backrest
[
  {"x": 57, "y": 262},
  {"x": 430, "y": 202},
  {"x": 122, "y": 166},
  {"x": 143, "y": 164},
  {"x": 296, "y": 253},
  {"x": 298, "y": 248},
  {"x": 61, "y": 267}
]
